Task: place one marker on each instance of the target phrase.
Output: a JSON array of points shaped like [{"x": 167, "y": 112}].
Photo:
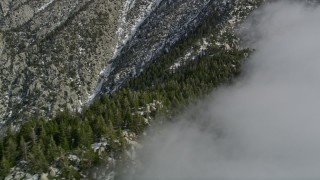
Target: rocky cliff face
[
  {"x": 62, "y": 54},
  {"x": 57, "y": 54},
  {"x": 171, "y": 21},
  {"x": 51, "y": 52}
]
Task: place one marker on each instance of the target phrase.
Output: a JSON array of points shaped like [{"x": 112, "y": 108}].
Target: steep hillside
[
  {"x": 191, "y": 61},
  {"x": 62, "y": 54},
  {"x": 51, "y": 52},
  {"x": 170, "y": 22}
]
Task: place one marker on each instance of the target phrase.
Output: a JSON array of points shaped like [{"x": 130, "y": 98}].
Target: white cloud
[{"x": 267, "y": 125}]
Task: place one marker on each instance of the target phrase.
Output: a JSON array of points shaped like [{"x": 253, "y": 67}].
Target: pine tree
[
  {"x": 5, "y": 166},
  {"x": 52, "y": 150},
  {"x": 86, "y": 135},
  {"x": 11, "y": 151},
  {"x": 37, "y": 158},
  {"x": 64, "y": 144},
  {"x": 24, "y": 148}
]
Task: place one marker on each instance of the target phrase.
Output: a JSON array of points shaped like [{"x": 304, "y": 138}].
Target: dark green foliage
[
  {"x": 43, "y": 142},
  {"x": 69, "y": 132},
  {"x": 37, "y": 158},
  {"x": 5, "y": 166}
]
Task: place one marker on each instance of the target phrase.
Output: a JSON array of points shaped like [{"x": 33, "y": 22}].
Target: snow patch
[
  {"x": 81, "y": 50},
  {"x": 124, "y": 31},
  {"x": 103, "y": 74},
  {"x": 204, "y": 46},
  {"x": 45, "y": 6}
]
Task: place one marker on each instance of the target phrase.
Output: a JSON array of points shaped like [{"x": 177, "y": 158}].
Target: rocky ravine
[
  {"x": 52, "y": 52},
  {"x": 168, "y": 23},
  {"x": 62, "y": 54},
  {"x": 171, "y": 21},
  {"x": 137, "y": 37}
]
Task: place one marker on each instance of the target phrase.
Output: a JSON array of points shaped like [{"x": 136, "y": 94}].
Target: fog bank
[{"x": 265, "y": 126}]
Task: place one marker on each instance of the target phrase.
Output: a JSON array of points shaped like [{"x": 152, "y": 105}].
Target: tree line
[{"x": 43, "y": 142}]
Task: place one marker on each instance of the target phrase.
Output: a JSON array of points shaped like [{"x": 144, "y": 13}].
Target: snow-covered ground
[
  {"x": 45, "y": 6},
  {"x": 191, "y": 54},
  {"x": 127, "y": 26}
]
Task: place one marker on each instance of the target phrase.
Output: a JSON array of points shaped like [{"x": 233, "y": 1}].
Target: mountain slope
[
  {"x": 202, "y": 58},
  {"x": 61, "y": 54},
  {"x": 52, "y": 52}
]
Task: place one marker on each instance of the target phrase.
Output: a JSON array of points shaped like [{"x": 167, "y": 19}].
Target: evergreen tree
[
  {"x": 10, "y": 150},
  {"x": 5, "y": 166},
  {"x": 24, "y": 148},
  {"x": 37, "y": 158}
]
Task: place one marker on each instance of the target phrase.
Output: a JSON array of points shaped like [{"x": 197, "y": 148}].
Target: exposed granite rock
[
  {"x": 60, "y": 54},
  {"x": 51, "y": 53},
  {"x": 5, "y": 6},
  {"x": 169, "y": 22}
]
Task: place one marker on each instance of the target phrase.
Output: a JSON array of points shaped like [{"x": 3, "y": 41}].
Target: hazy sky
[{"x": 267, "y": 125}]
